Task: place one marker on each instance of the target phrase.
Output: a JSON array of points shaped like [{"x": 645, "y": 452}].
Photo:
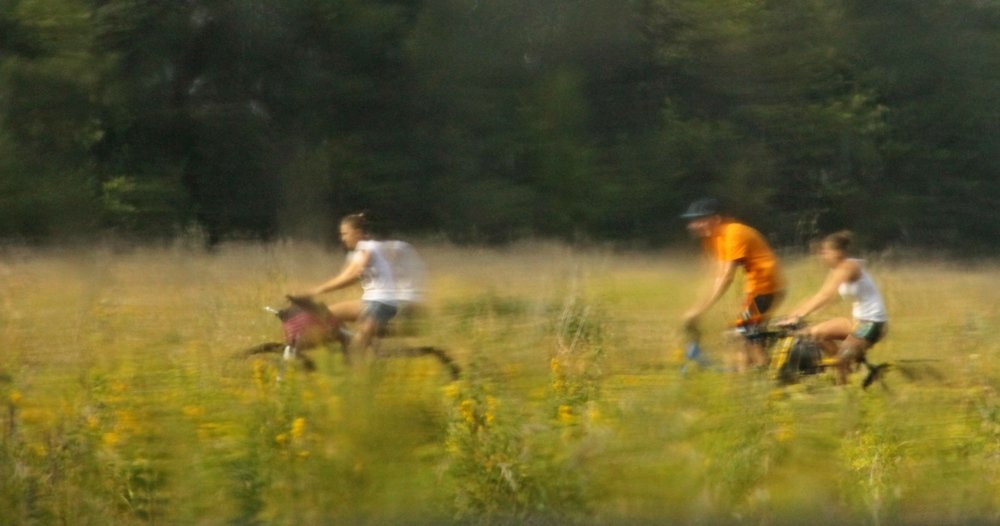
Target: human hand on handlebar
[
  {"x": 690, "y": 320},
  {"x": 299, "y": 297},
  {"x": 790, "y": 321}
]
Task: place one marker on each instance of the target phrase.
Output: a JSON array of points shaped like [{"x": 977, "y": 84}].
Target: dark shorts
[
  {"x": 377, "y": 311},
  {"x": 869, "y": 331},
  {"x": 756, "y": 312}
]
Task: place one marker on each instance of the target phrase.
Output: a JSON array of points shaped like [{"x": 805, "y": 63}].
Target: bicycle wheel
[{"x": 281, "y": 354}]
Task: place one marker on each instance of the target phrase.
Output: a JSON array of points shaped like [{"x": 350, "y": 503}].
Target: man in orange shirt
[{"x": 733, "y": 245}]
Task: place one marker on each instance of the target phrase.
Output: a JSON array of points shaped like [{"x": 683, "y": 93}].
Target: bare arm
[
  {"x": 351, "y": 273},
  {"x": 827, "y": 292},
  {"x": 723, "y": 278}
]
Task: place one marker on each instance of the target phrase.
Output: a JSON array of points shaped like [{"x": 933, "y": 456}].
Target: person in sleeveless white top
[
  {"x": 365, "y": 264},
  {"x": 846, "y": 339}
]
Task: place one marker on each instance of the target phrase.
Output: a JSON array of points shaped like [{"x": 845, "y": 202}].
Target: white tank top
[
  {"x": 868, "y": 304},
  {"x": 376, "y": 279},
  {"x": 407, "y": 270}
]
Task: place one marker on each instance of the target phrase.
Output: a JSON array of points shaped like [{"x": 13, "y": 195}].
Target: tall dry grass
[{"x": 122, "y": 399}]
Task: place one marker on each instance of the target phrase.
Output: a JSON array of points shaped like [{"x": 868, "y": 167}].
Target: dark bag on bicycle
[{"x": 804, "y": 358}]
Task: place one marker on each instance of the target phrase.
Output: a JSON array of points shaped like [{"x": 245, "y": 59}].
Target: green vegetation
[
  {"x": 122, "y": 399},
  {"x": 493, "y": 121}
]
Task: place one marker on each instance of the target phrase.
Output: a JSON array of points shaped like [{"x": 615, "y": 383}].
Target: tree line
[{"x": 488, "y": 121}]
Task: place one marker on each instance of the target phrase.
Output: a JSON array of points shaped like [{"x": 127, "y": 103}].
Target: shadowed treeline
[{"x": 491, "y": 121}]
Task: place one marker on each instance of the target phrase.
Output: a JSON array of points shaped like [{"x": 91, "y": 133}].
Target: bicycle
[
  {"x": 793, "y": 356},
  {"x": 308, "y": 324}
]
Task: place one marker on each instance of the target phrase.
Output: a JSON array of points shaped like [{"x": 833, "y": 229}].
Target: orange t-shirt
[{"x": 736, "y": 242}]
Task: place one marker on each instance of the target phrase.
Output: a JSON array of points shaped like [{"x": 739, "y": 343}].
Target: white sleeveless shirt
[
  {"x": 407, "y": 271},
  {"x": 868, "y": 304},
  {"x": 376, "y": 278}
]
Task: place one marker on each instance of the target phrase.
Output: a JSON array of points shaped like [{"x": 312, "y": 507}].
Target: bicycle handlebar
[{"x": 773, "y": 331}]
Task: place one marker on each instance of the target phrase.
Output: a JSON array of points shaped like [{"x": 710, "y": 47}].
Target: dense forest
[{"x": 492, "y": 120}]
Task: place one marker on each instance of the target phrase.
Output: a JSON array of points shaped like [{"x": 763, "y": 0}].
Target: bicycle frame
[
  {"x": 308, "y": 324},
  {"x": 786, "y": 366},
  {"x": 790, "y": 355}
]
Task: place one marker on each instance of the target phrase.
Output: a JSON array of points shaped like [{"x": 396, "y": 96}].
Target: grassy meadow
[{"x": 123, "y": 398}]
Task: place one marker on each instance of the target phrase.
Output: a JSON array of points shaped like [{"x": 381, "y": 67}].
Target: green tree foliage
[
  {"x": 936, "y": 66},
  {"x": 821, "y": 109},
  {"x": 768, "y": 112},
  {"x": 47, "y": 78},
  {"x": 235, "y": 96},
  {"x": 489, "y": 121}
]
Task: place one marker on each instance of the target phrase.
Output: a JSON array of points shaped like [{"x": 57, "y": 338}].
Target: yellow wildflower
[
  {"x": 677, "y": 356},
  {"x": 784, "y": 433},
  {"x": 298, "y": 428},
  {"x": 207, "y": 431},
  {"x": 468, "y": 411},
  {"x": 491, "y": 410},
  {"x": 565, "y": 414},
  {"x": 452, "y": 446},
  {"x": 41, "y": 416},
  {"x": 259, "y": 373},
  {"x": 14, "y": 397},
  {"x": 193, "y": 411},
  {"x": 452, "y": 390},
  {"x": 110, "y": 439},
  {"x": 126, "y": 420},
  {"x": 281, "y": 439}
]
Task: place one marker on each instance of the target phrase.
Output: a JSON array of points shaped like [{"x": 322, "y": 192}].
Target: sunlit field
[{"x": 124, "y": 398}]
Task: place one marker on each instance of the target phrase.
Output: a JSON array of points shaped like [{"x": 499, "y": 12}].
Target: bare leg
[
  {"x": 829, "y": 347},
  {"x": 852, "y": 351},
  {"x": 828, "y": 335},
  {"x": 754, "y": 355},
  {"x": 835, "y": 329},
  {"x": 346, "y": 310},
  {"x": 363, "y": 339}
]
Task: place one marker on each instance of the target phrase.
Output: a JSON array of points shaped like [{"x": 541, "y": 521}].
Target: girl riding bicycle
[
  {"x": 847, "y": 340},
  {"x": 365, "y": 263}
]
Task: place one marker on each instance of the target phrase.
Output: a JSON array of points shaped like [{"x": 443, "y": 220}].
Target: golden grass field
[{"x": 123, "y": 398}]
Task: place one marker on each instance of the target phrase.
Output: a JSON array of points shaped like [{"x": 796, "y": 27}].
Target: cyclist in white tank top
[
  {"x": 868, "y": 304},
  {"x": 846, "y": 339},
  {"x": 366, "y": 263},
  {"x": 377, "y": 280}
]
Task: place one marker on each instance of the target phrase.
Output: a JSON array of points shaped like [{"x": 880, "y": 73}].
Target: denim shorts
[{"x": 380, "y": 312}]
